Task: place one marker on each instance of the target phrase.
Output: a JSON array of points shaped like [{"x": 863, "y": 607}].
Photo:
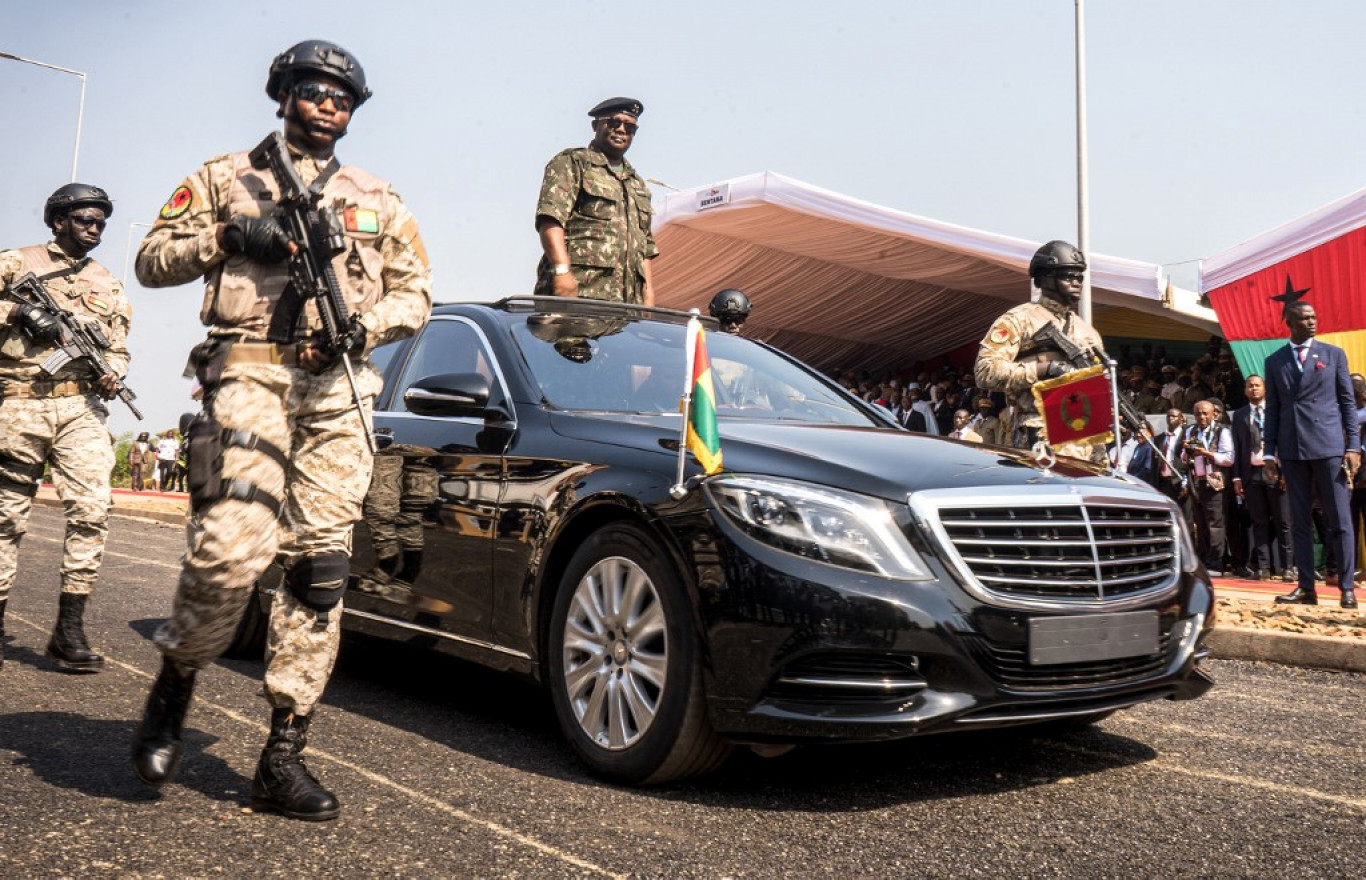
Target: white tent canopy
[{"x": 839, "y": 282}]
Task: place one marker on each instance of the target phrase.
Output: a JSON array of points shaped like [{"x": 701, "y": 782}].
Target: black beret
[{"x": 618, "y": 105}]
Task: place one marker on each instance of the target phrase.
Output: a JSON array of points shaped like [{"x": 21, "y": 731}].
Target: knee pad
[{"x": 320, "y": 581}]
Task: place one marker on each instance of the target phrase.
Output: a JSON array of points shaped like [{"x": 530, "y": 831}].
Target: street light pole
[
  {"x": 80, "y": 112},
  {"x": 1083, "y": 197},
  {"x": 128, "y": 249}
]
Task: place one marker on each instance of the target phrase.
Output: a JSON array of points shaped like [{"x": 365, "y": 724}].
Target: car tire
[
  {"x": 249, "y": 640},
  {"x": 623, "y": 664}
]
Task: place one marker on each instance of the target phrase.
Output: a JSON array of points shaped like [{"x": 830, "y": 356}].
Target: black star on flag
[{"x": 1291, "y": 295}]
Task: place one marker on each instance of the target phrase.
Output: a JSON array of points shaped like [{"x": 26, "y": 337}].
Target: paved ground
[{"x": 446, "y": 770}]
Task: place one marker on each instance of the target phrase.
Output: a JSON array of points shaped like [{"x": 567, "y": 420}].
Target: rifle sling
[
  {"x": 286, "y": 315},
  {"x": 69, "y": 270}
]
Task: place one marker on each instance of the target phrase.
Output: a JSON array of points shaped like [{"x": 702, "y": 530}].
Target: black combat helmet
[
  {"x": 1054, "y": 256},
  {"x": 316, "y": 56},
  {"x": 729, "y": 303},
  {"x": 73, "y": 194}
]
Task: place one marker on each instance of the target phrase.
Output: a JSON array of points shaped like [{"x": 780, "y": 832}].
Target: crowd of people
[
  {"x": 160, "y": 465},
  {"x": 928, "y": 400}
]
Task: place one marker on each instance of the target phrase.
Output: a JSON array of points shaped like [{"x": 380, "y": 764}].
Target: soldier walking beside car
[
  {"x": 593, "y": 216},
  {"x": 1010, "y": 361},
  {"x": 281, "y": 437},
  {"x": 59, "y": 419}
]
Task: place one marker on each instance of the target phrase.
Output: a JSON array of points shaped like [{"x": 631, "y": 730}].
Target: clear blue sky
[{"x": 1210, "y": 121}]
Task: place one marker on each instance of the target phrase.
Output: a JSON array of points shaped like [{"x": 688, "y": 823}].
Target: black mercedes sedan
[{"x": 840, "y": 580}]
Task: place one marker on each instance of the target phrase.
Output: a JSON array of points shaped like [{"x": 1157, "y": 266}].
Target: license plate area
[{"x": 1087, "y": 638}]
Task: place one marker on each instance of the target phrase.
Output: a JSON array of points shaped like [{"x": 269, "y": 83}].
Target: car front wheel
[{"x": 624, "y": 667}]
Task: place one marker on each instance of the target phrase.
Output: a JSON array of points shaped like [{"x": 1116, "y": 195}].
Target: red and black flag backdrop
[
  {"x": 1077, "y": 407},
  {"x": 1330, "y": 276}
]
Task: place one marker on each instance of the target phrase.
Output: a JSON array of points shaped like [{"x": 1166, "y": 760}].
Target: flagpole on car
[
  {"x": 678, "y": 490},
  {"x": 1113, "y": 369}
]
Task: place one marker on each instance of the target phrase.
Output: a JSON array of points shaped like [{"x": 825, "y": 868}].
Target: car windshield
[{"x": 631, "y": 366}]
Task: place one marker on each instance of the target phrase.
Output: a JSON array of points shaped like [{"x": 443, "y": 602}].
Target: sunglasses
[
  {"x": 1068, "y": 276},
  {"x": 317, "y": 93},
  {"x": 83, "y": 220},
  {"x": 612, "y": 123}
]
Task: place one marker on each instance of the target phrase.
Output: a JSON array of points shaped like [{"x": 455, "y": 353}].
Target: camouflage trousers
[
  {"x": 595, "y": 283},
  {"x": 230, "y": 542},
  {"x": 70, "y": 434}
]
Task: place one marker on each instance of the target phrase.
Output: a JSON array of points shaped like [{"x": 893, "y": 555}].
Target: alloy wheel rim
[{"x": 615, "y": 653}]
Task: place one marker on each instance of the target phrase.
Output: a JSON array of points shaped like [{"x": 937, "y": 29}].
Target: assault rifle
[
  {"x": 1049, "y": 337},
  {"x": 319, "y": 237},
  {"x": 77, "y": 340}
]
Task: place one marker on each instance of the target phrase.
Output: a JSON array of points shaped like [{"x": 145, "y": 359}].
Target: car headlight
[
  {"x": 830, "y": 525},
  {"x": 1190, "y": 561}
]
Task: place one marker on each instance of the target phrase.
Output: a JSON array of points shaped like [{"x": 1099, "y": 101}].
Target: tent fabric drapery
[{"x": 837, "y": 281}]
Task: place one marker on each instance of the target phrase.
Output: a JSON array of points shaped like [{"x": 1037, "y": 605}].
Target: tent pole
[{"x": 1083, "y": 206}]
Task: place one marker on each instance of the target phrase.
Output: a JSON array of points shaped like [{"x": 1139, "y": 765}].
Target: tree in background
[{"x": 120, "y": 478}]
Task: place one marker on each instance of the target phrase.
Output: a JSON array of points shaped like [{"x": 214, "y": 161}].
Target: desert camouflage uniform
[
  {"x": 1001, "y": 365},
  {"x": 312, "y": 419},
  {"x": 606, "y": 218},
  {"x": 58, "y": 419}
]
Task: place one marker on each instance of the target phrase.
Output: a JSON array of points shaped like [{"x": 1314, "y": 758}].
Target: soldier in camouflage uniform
[
  {"x": 1009, "y": 361},
  {"x": 281, "y": 440},
  {"x": 594, "y": 215},
  {"x": 60, "y": 419}
]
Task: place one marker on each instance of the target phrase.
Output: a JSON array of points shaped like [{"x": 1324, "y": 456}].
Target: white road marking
[
  {"x": 107, "y": 552},
  {"x": 379, "y": 779},
  {"x": 1163, "y": 765}
]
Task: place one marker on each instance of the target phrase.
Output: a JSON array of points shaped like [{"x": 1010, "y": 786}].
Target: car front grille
[{"x": 1083, "y": 550}]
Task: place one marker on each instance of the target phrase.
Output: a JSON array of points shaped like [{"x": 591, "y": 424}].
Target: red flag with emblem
[{"x": 1077, "y": 407}]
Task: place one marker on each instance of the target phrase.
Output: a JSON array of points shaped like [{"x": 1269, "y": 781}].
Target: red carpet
[{"x": 1271, "y": 587}]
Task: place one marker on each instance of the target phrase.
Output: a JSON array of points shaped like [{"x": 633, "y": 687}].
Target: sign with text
[{"x": 713, "y": 196}]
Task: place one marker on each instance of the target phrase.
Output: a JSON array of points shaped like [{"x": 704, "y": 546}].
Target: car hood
[{"x": 875, "y": 461}]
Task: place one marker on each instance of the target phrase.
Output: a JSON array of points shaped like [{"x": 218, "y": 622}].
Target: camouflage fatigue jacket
[
  {"x": 383, "y": 269},
  {"x": 1004, "y": 362},
  {"x": 91, "y": 293},
  {"x": 606, "y": 217}
]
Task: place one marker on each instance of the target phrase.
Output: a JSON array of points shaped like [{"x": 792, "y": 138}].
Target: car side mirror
[{"x": 448, "y": 394}]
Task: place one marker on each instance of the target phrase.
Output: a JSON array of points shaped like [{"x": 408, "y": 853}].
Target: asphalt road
[{"x": 446, "y": 770}]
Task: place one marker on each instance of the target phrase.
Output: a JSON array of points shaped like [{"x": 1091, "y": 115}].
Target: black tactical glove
[
  {"x": 38, "y": 324},
  {"x": 260, "y": 238},
  {"x": 351, "y": 343},
  {"x": 1057, "y": 368}
]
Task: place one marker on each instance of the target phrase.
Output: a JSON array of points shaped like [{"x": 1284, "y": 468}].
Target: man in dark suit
[
  {"x": 1311, "y": 434},
  {"x": 1171, "y": 474},
  {"x": 1264, "y": 499},
  {"x": 1143, "y": 464}
]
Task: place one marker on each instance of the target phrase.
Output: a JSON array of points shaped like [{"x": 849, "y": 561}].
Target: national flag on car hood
[
  {"x": 1076, "y": 407},
  {"x": 703, "y": 440}
]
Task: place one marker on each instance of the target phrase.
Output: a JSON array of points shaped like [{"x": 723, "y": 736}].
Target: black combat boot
[
  {"x": 68, "y": 645},
  {"x": 3, "y": 603},
  {"x": 283, "y": 784},
  {"x": 156, "y": 744}
]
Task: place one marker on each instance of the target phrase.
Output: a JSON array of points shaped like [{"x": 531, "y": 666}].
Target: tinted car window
[
  {"x": 614, "y": 365},
  {"x": 444, "y": 347}
]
